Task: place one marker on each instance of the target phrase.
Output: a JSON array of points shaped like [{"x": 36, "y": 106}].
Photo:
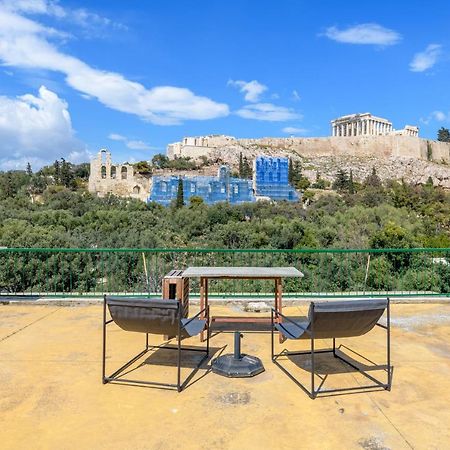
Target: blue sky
[{"x": 134, "y": 76}]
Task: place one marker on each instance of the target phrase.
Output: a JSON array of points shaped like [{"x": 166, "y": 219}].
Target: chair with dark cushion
[
  {"x": 332, "y": 320},
  {"x": 153, "y": 316}
]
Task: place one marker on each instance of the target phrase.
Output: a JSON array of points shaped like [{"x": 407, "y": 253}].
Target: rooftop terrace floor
[{"x": 51, "y": 395}]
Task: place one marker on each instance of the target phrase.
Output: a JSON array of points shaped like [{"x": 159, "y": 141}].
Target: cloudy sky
[{"x": 134, "y": 76}]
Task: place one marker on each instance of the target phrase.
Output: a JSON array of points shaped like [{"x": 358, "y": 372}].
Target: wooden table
[{"x": 236, "y": 273}]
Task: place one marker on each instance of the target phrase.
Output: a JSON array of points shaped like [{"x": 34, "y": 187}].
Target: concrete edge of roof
[{"x": 238, "y": 302}]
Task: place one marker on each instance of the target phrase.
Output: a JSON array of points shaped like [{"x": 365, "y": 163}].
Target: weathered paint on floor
[{"x": 51, "y": 396}]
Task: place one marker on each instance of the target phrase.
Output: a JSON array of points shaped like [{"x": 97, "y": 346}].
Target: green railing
[{"x": 328, "y": 272}]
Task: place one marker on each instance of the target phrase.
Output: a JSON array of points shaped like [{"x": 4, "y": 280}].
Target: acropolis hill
[{"x": 359, "y": 142}]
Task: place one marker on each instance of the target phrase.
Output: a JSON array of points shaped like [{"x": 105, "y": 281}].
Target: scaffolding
[{"x": 271, "y": 179}]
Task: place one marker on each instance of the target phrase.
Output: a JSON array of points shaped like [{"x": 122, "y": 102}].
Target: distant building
[
  {"x": 271, "y": 179},
  {"x": 366, "y": 124},
  {"x": 222, "y": 188},
  {"x": 106, "y": 178},
  {"x": 196, "y": 146}
]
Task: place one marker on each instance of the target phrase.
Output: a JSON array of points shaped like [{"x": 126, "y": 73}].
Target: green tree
[
  {"x": 195, "y": 201},
  {"x": 340, "y": 183},
  {"x": 56, "y": 172},
  {"x": 373, "y": 180},
  {"x": 66, "y": 177},
  {"x": 160, "y": 161},
  {"x": 142, "y": 167},
  {"x": 443, "y": 135},
  {"x": 290, "y": 171},
  {"x": 180, "y": 194},
  {"x": 8, "y": 186},
  {"x": 29, "y": 170},
  {"x": 351, "y": 184},
  {"x": 246, "y": 168}
]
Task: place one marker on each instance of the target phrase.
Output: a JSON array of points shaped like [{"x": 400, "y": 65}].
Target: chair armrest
[
  {"x": 194, "y": 317},
  {"x": 290, "y": 320}
]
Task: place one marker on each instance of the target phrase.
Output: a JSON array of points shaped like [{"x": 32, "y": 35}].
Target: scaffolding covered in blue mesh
[
  {"x": 271, "y": 178},
  {"x": 222, "y": 188}
]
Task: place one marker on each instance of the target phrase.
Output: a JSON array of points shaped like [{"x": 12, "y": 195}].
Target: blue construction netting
[
  {"x": 271, "y": 178},
  {"x": 211, "y": 189}
]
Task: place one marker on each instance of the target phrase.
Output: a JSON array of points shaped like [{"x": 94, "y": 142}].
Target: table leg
[
  {"x": 203, "y": 303},
  {"x": 279, "y": 299}
]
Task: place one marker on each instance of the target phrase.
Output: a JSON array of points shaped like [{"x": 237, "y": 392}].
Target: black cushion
[
  {"x": 145, "y": 315},
  {"x": 290, "y": 330},
  {"x": 337, "y": 319}
]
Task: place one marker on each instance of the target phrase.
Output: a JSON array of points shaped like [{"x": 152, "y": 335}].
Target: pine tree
[
  {"x": 241, "y": 175},
  {"x": 373, "y": 180},
  {"x": 57, "y": 174},
  {"x": 180, "y": 194},
  {"x": 296, "y": 173},
  {"x": 29, "y": 170},
  {"x": 341, "y": 182},
  {"x": 290, "y": 171},
  {"x": 351, "y": 185},
  {"x": 9, "y": 185},
  {"x": 66, "y": 175},
  {"x": 246, "y": 169},
  {"x": 443, "y": 135}
]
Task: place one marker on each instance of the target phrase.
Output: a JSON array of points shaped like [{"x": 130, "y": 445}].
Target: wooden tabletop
[{"x": 242, "y": 272}]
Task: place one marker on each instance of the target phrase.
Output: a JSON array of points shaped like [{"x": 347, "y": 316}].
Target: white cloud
[
  {"x": 366, "y": 33},
  {"x": 296, "y": 96},
  {"x": 294, "y": 130},
  {"x": 427, "y": 59},
  {"x": 267, "y": 111},
  {"x": 138, "y": 145},
  {"x": 79, "y": 16},
  {"x": 132, "y": 144},
  {"x": 26, "y": 44},
  {"x": 438, "y": 116},
  {"x": 252, "y": 89},
  {"x": 37, "y": 129},
  {"x": 116, "y": 137}
]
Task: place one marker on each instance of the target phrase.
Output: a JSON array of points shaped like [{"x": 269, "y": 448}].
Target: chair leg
[
  {"x": 179, "y": 364},
  {"x": 313, "y": 393},
  {"x": 334, "y": 347},
  {"x": 388, "y": 338},
  {"x": 104, "y": 381},
  {"x": 208, "y": 331}
]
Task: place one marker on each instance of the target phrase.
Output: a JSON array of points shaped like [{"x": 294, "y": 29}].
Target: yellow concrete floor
[{"x": 51, "y": 395}]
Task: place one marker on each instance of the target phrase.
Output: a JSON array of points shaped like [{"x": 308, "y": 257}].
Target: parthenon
[{"x": 360, "y": 125}]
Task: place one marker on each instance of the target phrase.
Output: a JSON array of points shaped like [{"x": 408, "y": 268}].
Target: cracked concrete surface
[{"x": 51, "y": 396}]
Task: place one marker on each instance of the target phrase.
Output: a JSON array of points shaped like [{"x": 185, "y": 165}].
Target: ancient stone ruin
[{"x": 107, "y": 178}]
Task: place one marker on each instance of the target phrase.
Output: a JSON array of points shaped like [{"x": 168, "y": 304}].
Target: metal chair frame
[
  {"x": 313, "y": 393},
  {"x": 179, "y": 386}
]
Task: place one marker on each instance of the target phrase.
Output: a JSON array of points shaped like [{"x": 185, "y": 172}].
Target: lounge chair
[
  {"x": 332, "y": 320},
  {"x": 152, "y": 316}
]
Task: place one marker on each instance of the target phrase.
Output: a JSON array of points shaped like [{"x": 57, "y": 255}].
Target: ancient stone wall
[
  {"x": 379, "y": 146},
  {"x": 107, "y": 177}
]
